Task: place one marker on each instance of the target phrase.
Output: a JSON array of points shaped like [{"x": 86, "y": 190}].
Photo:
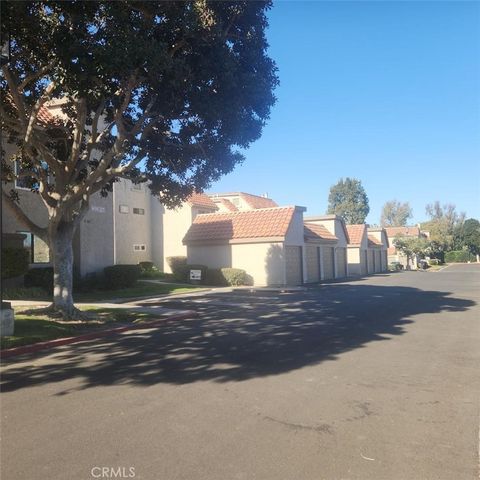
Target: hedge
[
  {"x": 40, "y": 277},
  {"x": 146, "y": 267},
  {"x": 121, "y": 276},
  {"x": 15, "y": 262},
  {"x": 228, "y": 276},
  {"x": 176, "y": 263},
  {"x": 459, "y": 256}
]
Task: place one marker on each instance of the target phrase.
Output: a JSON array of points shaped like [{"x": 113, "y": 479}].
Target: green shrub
[
  {"x": 22, "y": 293},
  {"x": 146, "y": 267},
  {"x": 40, "y": 277},
  {"x": 121, "y": 276},
  {"x": 228, "y": 276},
  {"x": 14, "y": 262},
  {"x": 182, "y": 273},
  {"x": 215, "y": 277},
  {"x": 176, "y": 263},
  {"x": 236, "y": 276},
  {"x": 459, "y": 256},
  {"x": 395, "y": 267},
  {"x": 434, "y": 261}
]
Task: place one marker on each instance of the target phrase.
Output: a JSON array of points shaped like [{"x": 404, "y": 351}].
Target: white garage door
[
  {"x": 313, "y": 263},
  {"x": 328, "y": 263},
  {"x": 370, "y": 263},
  {"x": 378, "y": 261},
  {"x": 293, "y": 264},
  {"x": 363, "y": 262},
  {"x": 341, "y": 262}
]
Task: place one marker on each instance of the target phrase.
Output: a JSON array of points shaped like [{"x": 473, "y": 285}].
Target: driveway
[{"x": 369, "y": 379}]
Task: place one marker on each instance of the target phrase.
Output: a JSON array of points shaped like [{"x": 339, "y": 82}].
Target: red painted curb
[{"x": 11, "y": 352}]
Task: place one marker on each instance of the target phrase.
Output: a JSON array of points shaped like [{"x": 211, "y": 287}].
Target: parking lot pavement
[{"x": 369, "y": 379}]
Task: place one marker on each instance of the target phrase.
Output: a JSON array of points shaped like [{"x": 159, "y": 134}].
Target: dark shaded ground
[
  {"x": 369, "y": 379},
  {"x": 255, "y": 334}
]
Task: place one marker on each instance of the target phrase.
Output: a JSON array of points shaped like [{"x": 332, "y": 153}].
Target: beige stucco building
[{"x": 267, "y": 243}]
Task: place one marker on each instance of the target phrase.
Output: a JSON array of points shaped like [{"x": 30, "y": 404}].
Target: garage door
[
  {"x": 328, "y": 263},
  {"x": 378, "y": 261},
  {"x": 313, "y": 264},
  {"x": 293, "y": 264},
  {"x": 341, "y": 262},
  {"x": 384, "y": 261},
  {"x": 370, "y": 262},
  {"x": 363, "y": 262}
]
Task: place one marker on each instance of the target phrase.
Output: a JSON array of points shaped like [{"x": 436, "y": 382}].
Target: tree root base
[{"x": 58, "y": 313}]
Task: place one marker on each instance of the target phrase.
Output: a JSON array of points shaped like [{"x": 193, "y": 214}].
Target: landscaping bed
[{"x": 34, "y": 328}]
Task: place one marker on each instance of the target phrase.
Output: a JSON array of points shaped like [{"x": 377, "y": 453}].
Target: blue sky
[{"x": 387, "y": 92}]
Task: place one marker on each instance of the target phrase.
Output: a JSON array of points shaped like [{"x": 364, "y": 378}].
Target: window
[
  {"x": 23, "y": 183},
  {"x": 139, "y": 211},
  {"x": 139, "y": 247},
  {"x": 38, "y": 249},
  {"x": 123, "y": 209}
]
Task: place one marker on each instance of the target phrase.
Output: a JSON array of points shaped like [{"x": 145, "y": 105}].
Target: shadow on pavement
[{"x": 252, "y": 336}]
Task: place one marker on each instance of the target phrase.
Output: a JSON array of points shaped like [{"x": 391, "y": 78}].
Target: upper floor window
[
  {"x": 123, "y": 208},
  {"x": 139, "y": 211}
]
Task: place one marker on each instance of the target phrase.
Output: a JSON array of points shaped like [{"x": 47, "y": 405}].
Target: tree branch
[
  {"x": 17, "y": 99},
  {"x": 23, "y": 219},
  {"x": 34, "y": 76}
]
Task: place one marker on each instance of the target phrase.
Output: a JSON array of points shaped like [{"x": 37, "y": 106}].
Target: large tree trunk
[{"x": 61, "y": 246}]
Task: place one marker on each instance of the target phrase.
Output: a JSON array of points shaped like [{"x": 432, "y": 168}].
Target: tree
[
  {"x": 348, "y": 199},
  {"x": 467, "y": 236},
  {"x": 161, "y": 92},
  {"x": 443, "y": 223},
  {"x": 395, "y": 214},
  {"x": 411, "y": 247}
]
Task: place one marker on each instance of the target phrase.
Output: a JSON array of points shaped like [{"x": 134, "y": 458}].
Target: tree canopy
[
  {"x": 467, "y": 236},
  {"x": 349, "y": 200},
  {"x": 395, "y": 214},
  {"x": 443, "y": 223},
  {"x": 164, "y": 92}
]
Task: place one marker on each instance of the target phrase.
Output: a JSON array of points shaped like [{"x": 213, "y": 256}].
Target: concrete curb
[{"x": 58, "y": 342}]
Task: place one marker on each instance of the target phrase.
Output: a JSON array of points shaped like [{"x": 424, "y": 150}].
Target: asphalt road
[{"x": 370, "y": 379}]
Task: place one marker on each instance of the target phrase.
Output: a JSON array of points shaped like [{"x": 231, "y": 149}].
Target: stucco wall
[
  {"x": 263, "y": 261},
  {"x": 93, "y": 244},
  {"x": 354, "y": 261},
  {"x": 130, "y": 228},
  {"x": 175, "y": 225}
]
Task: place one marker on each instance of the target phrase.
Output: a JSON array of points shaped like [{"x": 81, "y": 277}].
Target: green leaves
[
  {"x": 348, "y": 199},
  {"x": 204, "y": 64}
]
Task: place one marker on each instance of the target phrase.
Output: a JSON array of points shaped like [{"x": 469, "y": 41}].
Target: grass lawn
[
  {"x": 141, "y": 289},
  {"x": 39, "y": 328}
]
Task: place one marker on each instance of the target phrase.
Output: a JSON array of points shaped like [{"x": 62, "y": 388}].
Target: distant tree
[
  {"x": 164, "y": 92},
  {"x": 348, "y": 199},
  {"x": 395, "y": 214},
  {"x": 444, "y": 222},
  {"x": 411, "y": 247},
  {"x": 468, "y": 236}
]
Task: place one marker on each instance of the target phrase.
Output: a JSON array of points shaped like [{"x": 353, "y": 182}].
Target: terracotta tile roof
[
  {"x": 313, "y": 231},
  {"x": 374, "y": 242},
  {"x": 43, "y": 116},
  {"x": 355, "y": 233},
  {"x": 407, "y": 231},
  {"x": 226, "y": 203},
  {"x": 255, "y": 201},
  {"x": 201, "y": 200},
  {"x": 259, "y": 223}
]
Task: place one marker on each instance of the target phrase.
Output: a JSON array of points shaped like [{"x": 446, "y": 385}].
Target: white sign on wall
[
  {"x": 195, "y": 274},
  {"x": 94, "y": 208}
]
